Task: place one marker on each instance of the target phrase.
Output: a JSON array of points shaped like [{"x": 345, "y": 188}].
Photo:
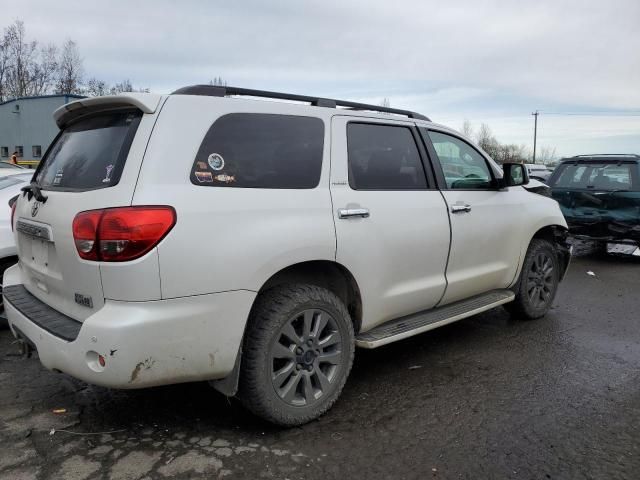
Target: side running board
[{"x": 416, "y": 323}]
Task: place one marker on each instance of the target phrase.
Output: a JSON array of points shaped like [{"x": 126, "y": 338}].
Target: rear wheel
[
  {"x": 538, "y": 282},
  {"x": 298, "y": 352}
]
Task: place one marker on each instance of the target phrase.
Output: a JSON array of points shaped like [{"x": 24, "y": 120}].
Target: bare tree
[
  {"x": 28, "y": 69},
  {"x": 546, "y": 155},
  {"x": 20, "y": 62},
  {"x": 4, "y": 66},
  {"x": 385, "y": 103},
  {"x": 121, "y": 87},
  {"x": 486, "y": 141},
  {"x": 44, "y": 71},
  {"x": 512, "y": 153},
  {"x": 96, "y": 88},
  {"x": 70, "y": 70},
  {"x": 218, "y": 82},
  {"x": 467, "y": 129}
]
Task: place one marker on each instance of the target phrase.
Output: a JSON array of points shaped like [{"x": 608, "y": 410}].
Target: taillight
[
  {"x": 85, "y": 233},
  {"x": 121, "y": 234}
]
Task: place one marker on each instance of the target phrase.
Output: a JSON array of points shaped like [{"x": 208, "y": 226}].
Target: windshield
[
  {"x": 607, "y": 177},
  {"x": 90, "y": 153}
]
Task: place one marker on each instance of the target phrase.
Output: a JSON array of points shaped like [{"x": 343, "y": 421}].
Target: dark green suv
[{"x": 600, "y": 198}]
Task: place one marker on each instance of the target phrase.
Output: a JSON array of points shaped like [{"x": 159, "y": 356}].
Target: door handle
[
  {"x": 461, "y": 208},
  {"x": 353, "y": 213}
]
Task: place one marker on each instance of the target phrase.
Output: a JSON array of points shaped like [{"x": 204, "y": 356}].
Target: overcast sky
[{"x": 485, "y": 61}]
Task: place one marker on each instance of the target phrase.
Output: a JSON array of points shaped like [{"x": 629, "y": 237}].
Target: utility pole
[{"x": 535, "y": 133}]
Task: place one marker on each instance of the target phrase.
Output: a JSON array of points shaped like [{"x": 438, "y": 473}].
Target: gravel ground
[{"x": 487, "y": 397}]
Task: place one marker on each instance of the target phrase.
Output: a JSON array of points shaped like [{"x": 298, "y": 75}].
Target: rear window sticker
[
  {"x": 216, "y": 162},
  {"x": 107, "y": 178},
  {"x": 204, "y": 177},
  {"x": 202, "y": 165},
  {"x": 58, "y": 178},
  {"x": 225, "y": 178}
]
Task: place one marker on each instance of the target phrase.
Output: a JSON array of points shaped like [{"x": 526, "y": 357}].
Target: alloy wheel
[
  {"x": 540, "y": 280},
  {"x": 306, "y": 357}
]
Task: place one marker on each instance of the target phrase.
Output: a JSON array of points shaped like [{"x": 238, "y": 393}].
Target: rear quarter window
[
  {"x": 250, "y": 150},
  {"x": 90, "y": 153}
]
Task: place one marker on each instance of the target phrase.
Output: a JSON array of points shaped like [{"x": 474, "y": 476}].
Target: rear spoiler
[{"x": 146, "y": 102}]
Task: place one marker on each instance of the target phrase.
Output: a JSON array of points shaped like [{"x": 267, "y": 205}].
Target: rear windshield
[
  {"x": 592, "y": 176},
  {"x": 90, "y": 153}
]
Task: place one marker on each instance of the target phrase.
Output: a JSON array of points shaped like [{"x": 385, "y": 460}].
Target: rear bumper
[
  {"x": 605, "y": 230},
  {"x": 144, "y": 344}
]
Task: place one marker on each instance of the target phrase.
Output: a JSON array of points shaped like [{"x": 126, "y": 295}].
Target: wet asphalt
[{"x": 488, "y": 397}]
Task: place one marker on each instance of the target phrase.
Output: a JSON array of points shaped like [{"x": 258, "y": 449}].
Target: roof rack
[
  {"x": 219, "y": 91},
  {"x": 609, "y": 155}
]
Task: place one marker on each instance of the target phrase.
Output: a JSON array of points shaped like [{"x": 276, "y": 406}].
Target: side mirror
[{"x": 515, "y": 174}]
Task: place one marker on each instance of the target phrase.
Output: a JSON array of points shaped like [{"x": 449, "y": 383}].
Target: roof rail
[
  {"x": 609, "y": 155},
  {"x": 219, "y": 91}
]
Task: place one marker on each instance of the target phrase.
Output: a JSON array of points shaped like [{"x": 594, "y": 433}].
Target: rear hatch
[
  {"x": 92, "y": 164},
  {"x": 599, "y": 199}
]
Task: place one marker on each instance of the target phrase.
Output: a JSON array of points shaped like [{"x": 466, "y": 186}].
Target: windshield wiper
[
  {"x": 33, "y": 190},
  {"x": 617, "y": 191}
]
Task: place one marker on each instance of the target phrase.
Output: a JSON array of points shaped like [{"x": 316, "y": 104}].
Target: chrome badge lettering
[
  {"x": 84, "y": 300},
  {"x": 33, "y": 230},
  {"x": 34, "y": 208}
]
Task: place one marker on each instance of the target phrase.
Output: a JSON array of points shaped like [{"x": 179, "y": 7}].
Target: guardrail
[{"x": 29, "y": 163}]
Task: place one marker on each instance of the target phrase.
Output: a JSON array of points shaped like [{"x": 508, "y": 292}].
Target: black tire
[
  {"x": 310, "y": 380},
  {"x": 537, "y": 286}
]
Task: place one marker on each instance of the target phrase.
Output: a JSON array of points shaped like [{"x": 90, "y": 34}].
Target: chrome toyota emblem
[{"x": 34, "y": 208}]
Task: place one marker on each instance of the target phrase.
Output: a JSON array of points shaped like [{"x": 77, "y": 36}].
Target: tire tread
[{"x": 264, "y": 322}]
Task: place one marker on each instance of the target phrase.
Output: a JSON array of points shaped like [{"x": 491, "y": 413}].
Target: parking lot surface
[{"x": 487, "y": 397}]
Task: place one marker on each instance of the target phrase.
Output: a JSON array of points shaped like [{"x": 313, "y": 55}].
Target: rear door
[
  {"x": 486, "y": 223},
  {"x": 92, "y": 164},
  {"x": 391, "y": 222}
]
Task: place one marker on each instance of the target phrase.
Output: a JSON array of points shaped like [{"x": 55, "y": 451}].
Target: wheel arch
[
  {"x": 327, "y": 274},
  {"x": 557, "y": 235},
  {"x": 323, "y": 273}
]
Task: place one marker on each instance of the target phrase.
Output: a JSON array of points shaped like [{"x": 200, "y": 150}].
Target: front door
[
  {"x": 486, "y": 223},
  {"x": 391, "y": 222}
]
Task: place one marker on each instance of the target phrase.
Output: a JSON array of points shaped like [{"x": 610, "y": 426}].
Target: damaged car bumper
[
  {"x": 133, "y": 344},
  {"x": 605, "y": 229}
]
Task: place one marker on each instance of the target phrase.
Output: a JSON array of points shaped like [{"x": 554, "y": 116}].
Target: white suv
[{"x": 255, "y": 244}]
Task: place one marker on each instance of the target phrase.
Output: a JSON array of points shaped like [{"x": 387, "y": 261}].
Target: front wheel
[
  {"x": 538, "y": 282},
  {"x": 298, "y": 352}
]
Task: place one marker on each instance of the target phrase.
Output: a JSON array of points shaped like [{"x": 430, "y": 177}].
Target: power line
[{"x": 596, "y": 114}]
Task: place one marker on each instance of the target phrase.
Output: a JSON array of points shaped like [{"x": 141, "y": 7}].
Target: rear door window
[
  {"x": 253, "y": 150},
  {"x": 90, "y": 153},
  {"x": 383, "y": 157}
]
